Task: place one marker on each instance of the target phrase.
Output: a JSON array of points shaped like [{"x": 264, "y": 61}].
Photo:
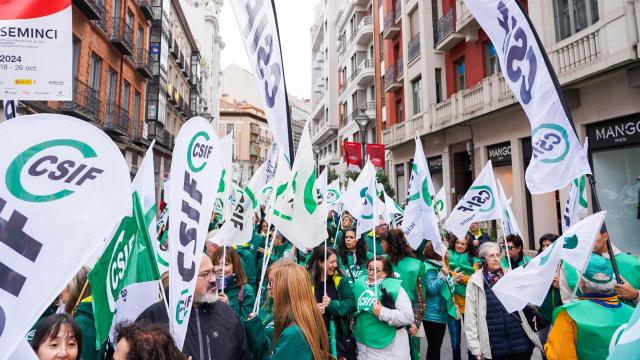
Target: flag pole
[
  {"x": 563, "y": 101},
  {"x": 224, "y": 267},
  {"x": 335, "y": 236}
]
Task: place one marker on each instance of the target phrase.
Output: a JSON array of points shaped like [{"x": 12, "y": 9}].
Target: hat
[{"x": 598, "y": 270}]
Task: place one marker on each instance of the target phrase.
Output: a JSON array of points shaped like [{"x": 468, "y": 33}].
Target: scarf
[{"x": 492, "y": 277}]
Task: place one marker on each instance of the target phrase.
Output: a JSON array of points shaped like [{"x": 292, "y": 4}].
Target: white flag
[
  {"x": 224, "y": 187},
  {"x": 420, "y": 221},
  {"x": 195, "y": 173},
  {"x": 321, "y": 184},
  {"x": 257, "y": 24},
  {"x": 529, "y": 284},
  {"x": 394, "y": 213},
  {"x": 333, "y": 192},
  {"x": 557, "y": 155},
  {"x": 577, "y": 206},
  {"x": 510, "y": 225},
  {"x": 480, "y": 203},
  {"x": 63, "y": 186},
  {"x": 358, "y": 199},
  {"x": 238, "y": 228},
  {"x": 440, "y": 204}
]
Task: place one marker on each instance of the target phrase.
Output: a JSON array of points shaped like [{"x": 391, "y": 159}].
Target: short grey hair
[
  {"x": 487, "y": 247},
  {"x": 587, "y": 286}
]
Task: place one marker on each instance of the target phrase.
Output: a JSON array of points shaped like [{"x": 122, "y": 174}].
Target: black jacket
[{"x": 214, "y": 331}]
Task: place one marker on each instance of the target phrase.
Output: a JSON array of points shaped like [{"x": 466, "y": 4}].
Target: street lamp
[{"x": 362, "y": 120}]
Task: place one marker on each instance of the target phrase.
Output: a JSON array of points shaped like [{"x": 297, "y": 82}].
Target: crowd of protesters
[{"x": 342, "y": 302}]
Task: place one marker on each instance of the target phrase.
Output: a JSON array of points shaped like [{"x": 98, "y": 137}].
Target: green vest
[
  {"x": 408, "y": 270},
  {"x": 595, "y": 325},
  {"x": 351, "y": 270},
  {"x": 505, "y": 262},
  {"x": 368, "y": 330},
  {"x": 460, "y": 263},
  {"x": 446, "y": 291}
]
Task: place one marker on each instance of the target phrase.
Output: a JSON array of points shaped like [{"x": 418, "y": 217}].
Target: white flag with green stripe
[
  {"x": 577, "y": 206},
  {"x": 393, "y": 213},
  {"x": 440, "y": 204},
  {"x": 358, "y": 199}
]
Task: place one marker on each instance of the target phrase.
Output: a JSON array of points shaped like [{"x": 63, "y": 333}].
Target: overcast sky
[{"x": 295, "y": 18}]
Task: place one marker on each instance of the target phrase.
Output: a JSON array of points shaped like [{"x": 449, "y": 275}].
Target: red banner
[
  {"x": 353, "y": 153},
  {"x": 376, "y": 154}
]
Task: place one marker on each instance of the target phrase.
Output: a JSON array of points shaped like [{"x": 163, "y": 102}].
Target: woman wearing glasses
[{"x": 383, "y": 309}]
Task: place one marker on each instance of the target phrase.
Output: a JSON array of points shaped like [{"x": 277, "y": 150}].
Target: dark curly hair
[
  {"x": 148, "y": 342},
  {"x": 398, "y": 248},
  {"x": 313, "y": 265},
  {"x": 361, "y": 249}
]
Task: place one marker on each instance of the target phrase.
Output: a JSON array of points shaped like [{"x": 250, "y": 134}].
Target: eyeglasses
[
  {"x": 206, "y": 274},
  {"x": 509, "y": 247},
  {"x": 270, "y": 283},
  {"x": 379, "y": 270}
]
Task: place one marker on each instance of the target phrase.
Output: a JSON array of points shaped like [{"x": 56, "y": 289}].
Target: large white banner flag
[
  {"x": 195, "y": 172},
  {"x": 440, "y": 204},
  {"x": 510, "y": 225},
  {"x": 480, "y": 203},
  {"x": 577, "y": 206},
  {"x": 64, "y": 184},
  {"x": 358, "y": 199},
  {"x": 257, "y": 23},
  {"x": 557, "y": 154},
  {"x": 529, "y": 284},
  {"x": 420, "y": 221}
]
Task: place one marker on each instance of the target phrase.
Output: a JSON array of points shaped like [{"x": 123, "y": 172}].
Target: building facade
[
  {"x": 251, "y": 134},
  {"x": 456, "y": 99}
]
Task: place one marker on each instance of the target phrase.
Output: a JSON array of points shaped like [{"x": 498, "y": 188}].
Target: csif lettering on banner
[
  {"x": 557, "y": 154},
  {"x": 257, "y": 23},
  {"x": 480, "y": 203},
  {"x": 196, "y": 168},
  {"x": 29, "y": 29},
  {"x": 63, "y": 186}
]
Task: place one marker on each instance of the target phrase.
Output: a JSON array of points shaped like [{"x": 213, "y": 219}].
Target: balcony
[
  {"x": 142, "y": 62},
  {"x": 165, "y": 138},
  {"x": 366, "y": 72},
  {"x": 391, "y": 29},
  {"x": 391, "y": 79},
  {"x": 364, "y": 33},
  {"x": 121, "y": 35},
  {"x": 446, "y": 36},
  {"x": 137, "y": 133},
  {"x": 147, "y": 9},
  {"x": 465, "y": 20},
  {"x": 369, "y": 107},
  {"x": 414, "y": 48},
  {"x": 85, "y": 104},
  {"x": 92, "y": 9},
  {"x": 175, "y": 50},
  {"x": 116, "y": 119}
]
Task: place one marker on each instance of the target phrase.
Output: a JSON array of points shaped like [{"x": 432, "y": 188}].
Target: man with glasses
[{"x": 214, "y": 330}]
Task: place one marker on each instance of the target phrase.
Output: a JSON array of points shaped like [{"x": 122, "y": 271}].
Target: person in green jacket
[
  {"x": 346, "y": 223},
  {"x": 77, "y": 301},
  {"x": 439, "y": 305},
  {"x": 337, "y": 304},
  {"x": 239, "y": 295},
  {"x": 299, "y": 330},
  {"x": 516, "y": 254},
  {"x": 411, "y": 272},
  {"x": 353, "y": 256}
]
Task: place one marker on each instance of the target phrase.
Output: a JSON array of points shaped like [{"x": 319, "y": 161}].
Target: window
[
  {"x": 130, "y": 19},
  {"x": 416, "y": 90},
  {"x": 126, "y": 91},
  {"x": 438, "y": 85},
  {"x": 111, "y": 93},
  {"x": 116, "y": 8},
  {"x": 76, "y": 55},
  {"x": 399, "y": 117},
  {"x": 354, "y": 102},
  {"x": 95, "y": 68},
  {"x": 414, "y": 23},
  {"x": 572, "y": 16},
  {"x": 136, "y": 107},
  {"x": 491, "y": 64},
  {"x": 229, "y": 128},
  {"x": 140, "y": 38},
  {"x": 461, "y": 76}
]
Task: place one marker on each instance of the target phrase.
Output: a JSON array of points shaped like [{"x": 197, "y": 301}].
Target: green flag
[{"x": 124, "y": 282}]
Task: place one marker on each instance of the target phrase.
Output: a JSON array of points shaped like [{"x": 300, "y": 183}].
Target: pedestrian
[
  {"x": 462, "y": 264},
  {"x": 383, "y": 310},
  {"x": 346, "y": 223},
  {"x": 237, "y": 293},
  {"x": 492, "y": 332},
  {"x": 299, "y": 331},
  {"x": 353, "y": 256},
  {"x": 515, "y": 249},
  {"x": 337, "y": 305},
  {"x": 477, "y": 236},
  {"x": 583, "y": 329},
  {"x": 58, "y": 337},
  {"x": 214, "y": 330},
  {"x": 411, "y": 272},
  {"x": 77, "y": 300},
  {"x": 439, "y": 304},
  {"x": 136, "y": 341}
]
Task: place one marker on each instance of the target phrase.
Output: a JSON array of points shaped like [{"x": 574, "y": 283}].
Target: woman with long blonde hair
[{"x": 299, "y": 330}]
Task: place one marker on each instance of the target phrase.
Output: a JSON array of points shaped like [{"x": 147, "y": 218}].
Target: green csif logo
[
  {"x": 550, "y": 143},
  {"x": 426, "y": 197},
  {"x": 364, "y": 194},
  {"x": 51, "y": 167},
  {"x": 183, "y": 306},
  {"x": 198, "y": 150},
  {"x": 480, "y": 198}
]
